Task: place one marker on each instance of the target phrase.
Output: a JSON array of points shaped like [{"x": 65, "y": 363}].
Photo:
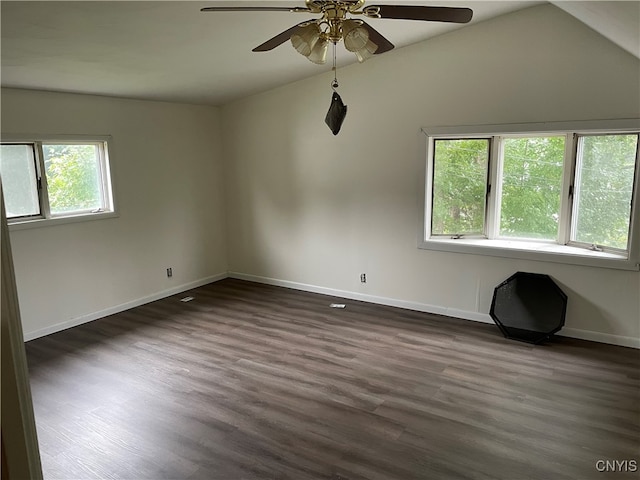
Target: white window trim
[
  {"x": 521, "y": 249},
  {"x": 108, "y": 188}
]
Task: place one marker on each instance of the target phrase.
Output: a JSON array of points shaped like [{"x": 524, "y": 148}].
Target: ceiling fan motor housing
[{"x": 319, "y": 6}]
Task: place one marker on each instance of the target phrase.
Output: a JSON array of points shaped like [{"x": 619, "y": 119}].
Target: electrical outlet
[
  {"x": 363, "y": 277},
  {"x": 169, "y": 272}
]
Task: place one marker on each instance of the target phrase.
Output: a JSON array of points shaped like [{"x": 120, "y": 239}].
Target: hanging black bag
[{"x": 335, "y": 115}]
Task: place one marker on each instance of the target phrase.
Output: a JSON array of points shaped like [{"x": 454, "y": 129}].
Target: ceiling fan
[{"x": 311, "y": 38}]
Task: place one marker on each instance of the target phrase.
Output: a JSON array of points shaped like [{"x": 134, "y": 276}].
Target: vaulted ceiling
[{"x": 170, "y": 51}]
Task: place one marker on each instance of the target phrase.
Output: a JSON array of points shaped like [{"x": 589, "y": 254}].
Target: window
[
  {"x": 19, "y": 180},
  {"x": 603, "y": 190},
  {"x": 561, "y": 194},
  {"x": 50, "y": 180},
  {"x": 460, "y": 169},
  {"x": 530, "y": 184}
]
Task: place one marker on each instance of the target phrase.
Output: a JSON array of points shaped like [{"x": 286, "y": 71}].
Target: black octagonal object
[{"x": 528, "y": 307}]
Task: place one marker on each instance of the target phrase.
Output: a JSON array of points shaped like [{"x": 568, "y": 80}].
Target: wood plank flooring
[{"x": 251, "y": 381}]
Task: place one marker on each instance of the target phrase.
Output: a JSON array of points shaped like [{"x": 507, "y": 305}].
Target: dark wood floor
[{"x": 250, "y": 381}]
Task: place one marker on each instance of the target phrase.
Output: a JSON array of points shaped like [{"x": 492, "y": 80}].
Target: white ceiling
[
  {"x": 617, "y": 21},
  {"x": 167, "y": 50}
]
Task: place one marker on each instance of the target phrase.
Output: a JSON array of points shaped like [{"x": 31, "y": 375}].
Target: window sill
[
  {"x": 536, "y": 251},
  {"x": 49, "y": 222}
]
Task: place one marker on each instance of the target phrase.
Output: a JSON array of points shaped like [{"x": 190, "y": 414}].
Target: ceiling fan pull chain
[
  {"x": 337, "y": 110},
  {"x": 334, "y": 84}
]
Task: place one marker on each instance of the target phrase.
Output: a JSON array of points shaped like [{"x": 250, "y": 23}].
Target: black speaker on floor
[{"x": 529, "y": 307}]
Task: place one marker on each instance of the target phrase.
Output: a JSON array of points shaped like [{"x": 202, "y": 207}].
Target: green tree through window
[
  {"x": 73, "y": 177},
  {"x": 604, "y": 188},
  {"x": 531, "y": 187},
  {"x": 459, "y": 186},
  {"x": 54, "y": 179},
  {"x": 571, "y": 187}
]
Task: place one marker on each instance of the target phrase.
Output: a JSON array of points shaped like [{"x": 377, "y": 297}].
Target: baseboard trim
[
  {"x": 363, "y": 297},
  {"x": 390, "y": 302},
  {"x": 600, "y": 337},
  {"x": 435, "y": 309},
  {"x": 592, "y": 336},
  {"x": 74, "y": 322}
]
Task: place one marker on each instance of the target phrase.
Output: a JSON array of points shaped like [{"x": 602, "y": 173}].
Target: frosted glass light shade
[
  {"x": 367, "y": 52},
  {"x": 319, "y": 52},
  {"x": 305, "y": 38},
  {"x": 355, "y": 35}
]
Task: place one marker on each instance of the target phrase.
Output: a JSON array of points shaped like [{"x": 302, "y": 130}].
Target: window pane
[
  {"x": 18, "y": 170},
  {"x": 531, "y": 187},
  {"x": 459, "y": 186},
  {"x": 73, "y": 177},
  {"x": 603, "y": 189}
]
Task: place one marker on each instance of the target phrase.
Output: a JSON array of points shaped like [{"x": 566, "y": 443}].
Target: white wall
[
  {"x": 168, "y": 179},
  {"x": 309, "y": 209}
]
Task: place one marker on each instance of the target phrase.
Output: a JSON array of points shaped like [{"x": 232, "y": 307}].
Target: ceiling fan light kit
[
  {"x": 356, "y": 40},
  {"x": 312, "y": 37},
  {"x": 305, "y": 38},
  {"x": 366, "y": 52},
  {"x": 318, "y": 53}
]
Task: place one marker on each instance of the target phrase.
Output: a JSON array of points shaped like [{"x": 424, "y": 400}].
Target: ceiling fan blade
[
  {"x": 414, "y": 12},
  {"x": 279, "y": 39},
  {"x": 255, "y": 9},
  {"x": 376, "y": 37}
]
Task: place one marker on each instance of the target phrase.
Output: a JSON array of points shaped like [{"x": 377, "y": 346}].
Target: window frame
[
  {"x": 573, "y": 189},
  {"x": 105, "y": 167},
  {"x": 561, "y": 250},
  {"x": 487, "y": 184},
  {"x": 36, "y": 179}
]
